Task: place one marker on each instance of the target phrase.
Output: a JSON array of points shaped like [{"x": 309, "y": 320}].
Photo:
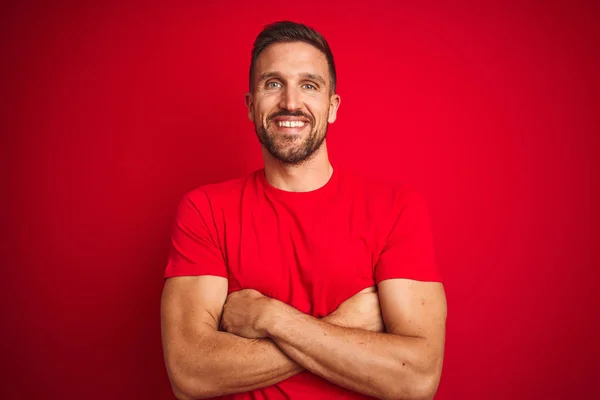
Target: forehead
[{"x": 291, "y": 59}]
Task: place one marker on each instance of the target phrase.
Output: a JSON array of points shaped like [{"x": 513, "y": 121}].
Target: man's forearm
[
  {"x": 228, "y": 364},
  {"x": 376, "y": 364},
  {"x": 223, "y": 363}
]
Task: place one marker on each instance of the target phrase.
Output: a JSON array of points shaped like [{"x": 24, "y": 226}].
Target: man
[{"x": 301, "y": 281}]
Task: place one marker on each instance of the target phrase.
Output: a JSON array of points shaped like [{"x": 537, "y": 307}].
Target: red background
[{"x": 111, "y": 112}]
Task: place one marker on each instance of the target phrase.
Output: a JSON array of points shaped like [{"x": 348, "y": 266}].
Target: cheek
[
  {"x": 319, "y": 109},
  {"x": 322, "y": 117},
  {"x": 263, "y": 109}
]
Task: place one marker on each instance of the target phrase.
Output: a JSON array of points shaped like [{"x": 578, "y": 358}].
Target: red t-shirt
[{"x": 311, "y": 250}]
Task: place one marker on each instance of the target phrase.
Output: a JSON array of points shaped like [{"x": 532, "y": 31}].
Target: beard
[{"x": 292, "y": 149}]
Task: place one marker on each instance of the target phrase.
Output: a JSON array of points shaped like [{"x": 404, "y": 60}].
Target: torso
[{"x": 310, "y": 250}]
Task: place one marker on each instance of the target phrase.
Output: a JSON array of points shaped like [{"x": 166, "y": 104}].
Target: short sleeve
[
  {"x": 194, "y": 250},
  {"x": 408, "y": 251}
]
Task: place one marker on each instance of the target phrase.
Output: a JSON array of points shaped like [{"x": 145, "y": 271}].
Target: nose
[{"x": 290, "y": 99}]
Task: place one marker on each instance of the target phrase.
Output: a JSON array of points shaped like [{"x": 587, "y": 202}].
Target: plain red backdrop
[{"x": 110, "y": 112}]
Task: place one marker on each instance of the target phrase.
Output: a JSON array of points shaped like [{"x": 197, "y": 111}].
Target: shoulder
[
  {"x": 381, "y": 190},
  {"x": 221, "y": 193},
  {"x": 207, "y": 205},
  {"x": 395, "y": 204}
]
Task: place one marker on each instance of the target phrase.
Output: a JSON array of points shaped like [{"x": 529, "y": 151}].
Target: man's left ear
[
  {"x": 334, "y": 104},
  {"x": 249, "y": 100}
]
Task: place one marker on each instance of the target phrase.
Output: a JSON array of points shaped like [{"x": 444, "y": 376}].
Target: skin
[
  {"x": 204, "y": 362},
  {"x": 263, "y": 341},
  {"x": 293, "y": 78},
  {"x": 404, "y": 362}
]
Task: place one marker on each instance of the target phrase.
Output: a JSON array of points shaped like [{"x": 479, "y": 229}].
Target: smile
[{"x": 291, "y": 124}]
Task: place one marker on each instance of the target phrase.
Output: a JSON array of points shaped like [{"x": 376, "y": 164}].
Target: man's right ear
[{"x": 250, "y": 104}]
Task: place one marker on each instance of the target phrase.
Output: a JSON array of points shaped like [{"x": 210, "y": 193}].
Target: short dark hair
[{"x": 286, "y": 32}]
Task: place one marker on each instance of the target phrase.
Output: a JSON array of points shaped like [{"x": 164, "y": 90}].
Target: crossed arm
[
  {"x": 203, "y": 361},
  {"x": 266, "y": 341}
]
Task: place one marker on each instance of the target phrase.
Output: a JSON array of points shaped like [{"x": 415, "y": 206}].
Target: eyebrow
[
  {"x": 267, "y": 75},
  {"x": 315, "y": 77}
]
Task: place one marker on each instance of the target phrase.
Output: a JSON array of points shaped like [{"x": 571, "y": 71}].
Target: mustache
[{"x": 285, "y": 113}]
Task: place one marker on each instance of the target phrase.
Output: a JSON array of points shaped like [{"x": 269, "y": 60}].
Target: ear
[
  {"x": 334, "y": 105},
  {"x": 249, "y": 99}
]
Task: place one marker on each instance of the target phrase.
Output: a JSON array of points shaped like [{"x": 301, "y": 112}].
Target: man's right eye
[{"x": 272, "y": 85}]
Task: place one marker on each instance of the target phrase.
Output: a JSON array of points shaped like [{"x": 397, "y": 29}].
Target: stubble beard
[{"x": 292, "y": 150}]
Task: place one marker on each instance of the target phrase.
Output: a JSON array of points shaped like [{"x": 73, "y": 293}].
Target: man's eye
[
  {"x": 272, "y": 85},
  {"x": 308, "y": 86}
]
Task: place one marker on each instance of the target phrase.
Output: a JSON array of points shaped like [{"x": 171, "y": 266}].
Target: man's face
[{"x": 291, "y": 103}]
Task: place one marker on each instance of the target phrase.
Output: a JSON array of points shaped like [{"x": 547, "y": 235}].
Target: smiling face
[{"x": 291, "y": 103}]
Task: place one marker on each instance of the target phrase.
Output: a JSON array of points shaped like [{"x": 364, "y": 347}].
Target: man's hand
[
  {"x": 360, "y": 311},
  {"x": 402, "y": 363},
  {"x": 243, "y": 313}
]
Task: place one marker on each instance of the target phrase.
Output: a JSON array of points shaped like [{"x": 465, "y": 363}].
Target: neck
[{"x": 305, "y": 177}]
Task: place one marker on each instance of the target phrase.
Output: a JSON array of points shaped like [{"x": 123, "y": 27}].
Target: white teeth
[{"x": 291, "y": 124}]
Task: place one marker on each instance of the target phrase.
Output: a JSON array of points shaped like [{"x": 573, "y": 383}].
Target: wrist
[
  {"x": 267, "y": 315},
  {"x": 276, "y": 318}
]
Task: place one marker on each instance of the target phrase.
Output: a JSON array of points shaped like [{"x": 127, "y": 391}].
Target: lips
[{"x": 290, "y": 123}]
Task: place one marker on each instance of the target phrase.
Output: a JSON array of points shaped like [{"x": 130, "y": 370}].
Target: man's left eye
[{"x": 309, "y": 86}]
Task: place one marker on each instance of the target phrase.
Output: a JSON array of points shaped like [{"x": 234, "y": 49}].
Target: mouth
[{"x": 292, "y": 125}]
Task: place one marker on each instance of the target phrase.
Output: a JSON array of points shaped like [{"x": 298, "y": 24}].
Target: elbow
[
  {"x": 426, "y": 390},
  {"x": 188, "y": 390},
  {"x": 179, "y": 394},
  {"x": 420, "y": 391},
  {"x": 186, "y": 387},
  {"x": 426, "y": 385},
  {"x": 183, "y": 390},
  {"x": 423, "y": 386}
]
